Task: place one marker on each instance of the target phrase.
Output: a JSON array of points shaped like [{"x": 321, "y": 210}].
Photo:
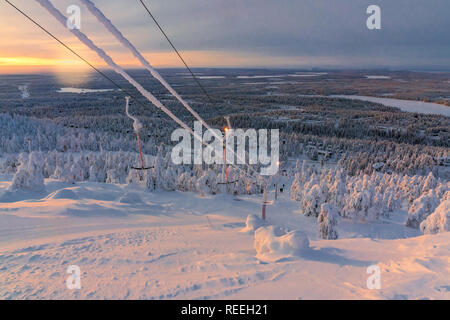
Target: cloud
[{"x": 292, "y": 32}]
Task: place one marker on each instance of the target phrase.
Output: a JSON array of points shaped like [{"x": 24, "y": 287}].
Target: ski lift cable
[
  {"x": 177, "y": 52},
  {"x": 76, "y": 54},
  {"x": 164, "y": 109},
  {"x": 100, "y": 72},
  {"x": 121, "y": 38},
  {"x": 187, "y": 67},
  {"x": 57, "y": 14},
  {"x": 90, "y": 44},
  {"x": 230, "y": 182},
  {"x": 94, "y": 68},
  {"x": 102, "y": 54},
  {"x": 159, "y": 105},
  {"x": 184, "y": 62},
  {"x": 125, "y": 42}
]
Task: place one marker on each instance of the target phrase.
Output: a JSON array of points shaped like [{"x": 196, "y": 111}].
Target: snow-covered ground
[{"x": 131, "y": 243}]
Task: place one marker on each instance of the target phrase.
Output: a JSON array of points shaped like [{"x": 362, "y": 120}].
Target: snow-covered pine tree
[
  {"x": 439, "y": 220},
  {"x": 183, "y": 181},
  {"x": 421, "y": 208},
  {"x": 159, "y": 170},
  {"x": 203, "y": 184},
  {"x": 296, "y": 188},
  {"x": 312, "y": 201},
  {"x": 170, "y": 179},
  {"x": 429, "y": 183},
  {"x": 327, "y": 222},
  {"x": 357, "y": 204},
  {"x": 337, "y": 193},
  {"x": 29, "y": 175}
]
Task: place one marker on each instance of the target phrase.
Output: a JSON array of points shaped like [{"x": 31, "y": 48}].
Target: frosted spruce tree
[
  {"x": 183, "y": 181},
  {"x": 203, "y": 184},
  {"x": 29, "y": 175},
  {"x": 159, "y": 170},
  {"x": 357, "y": 204},
  {"x": 430, "y": 183},
  {"x": 327, "y": 222},
  {"x": 312, "y": 201},
  {"x": 421, "y": 208},
  {"x": 439, "y": 220},
  {"x": 170, "y": 179},
  {"x": 337, "y": 192}
]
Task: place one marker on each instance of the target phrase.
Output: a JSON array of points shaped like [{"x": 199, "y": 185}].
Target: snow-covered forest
[
  {"x": 348, "y": 169},
  {"x": 353, "y": 187}
]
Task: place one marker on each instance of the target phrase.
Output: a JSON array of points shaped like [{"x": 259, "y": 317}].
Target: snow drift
[
  {"x": 271, "y": 245},
  {"x": 253, "y": 222}
]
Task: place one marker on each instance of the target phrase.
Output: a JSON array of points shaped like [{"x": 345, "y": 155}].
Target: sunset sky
[{"x": 237, "y": 33}]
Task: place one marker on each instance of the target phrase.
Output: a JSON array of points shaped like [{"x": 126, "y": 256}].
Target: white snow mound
[
  {"x": 253, "y": 222},
  {"x": 271, "y": 247}
]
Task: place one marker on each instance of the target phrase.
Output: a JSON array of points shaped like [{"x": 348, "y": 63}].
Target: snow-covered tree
[
  {"x": 159, "y": 170},
  {"x": 203, "y": 184},
  {"x": 312, "y": 201},
  {"x": 327, "y": 222},
  {"x": 430, "y": 182},
  {"x": 296, "y": 188},
  {"x": 76, "y": 171},
  {"x": 170, "y": 179},
  {"x": 112, "y": 176},
  {"x": 337, "y": 192},
  {"x": 29, "y": 175},
  {"x": 438, "y": 221},
  {"x": 97, "y": 172},
  {"x": 421, "y": 208},
  {"x": 183, "y": 181},
  {"x": 357, "y": 205},
  {"x": 145, "y": 177}
]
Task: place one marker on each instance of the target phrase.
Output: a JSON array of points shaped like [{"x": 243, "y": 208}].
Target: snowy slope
[{"x": 131, "y": 243}]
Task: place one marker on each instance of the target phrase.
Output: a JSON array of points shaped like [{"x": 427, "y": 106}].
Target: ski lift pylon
[{"x": 136, "y": 125}]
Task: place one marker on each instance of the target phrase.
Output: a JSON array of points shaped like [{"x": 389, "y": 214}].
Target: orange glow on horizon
[
  {"x": 157, "y": 59},
  {"x": 61, "y": 61},
  {"x": 33, "y": 61}
]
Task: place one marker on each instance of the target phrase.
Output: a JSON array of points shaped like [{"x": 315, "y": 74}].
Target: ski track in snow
[
  {"x": 195, "y": 263},
  {"x": 146, "y": 264},
  {"x": 165, "y": 248}
]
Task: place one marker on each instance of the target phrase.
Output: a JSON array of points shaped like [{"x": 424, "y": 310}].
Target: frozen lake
[
  {"x": 405, "y": 105},
  {"x": 82, "y": 90}
]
